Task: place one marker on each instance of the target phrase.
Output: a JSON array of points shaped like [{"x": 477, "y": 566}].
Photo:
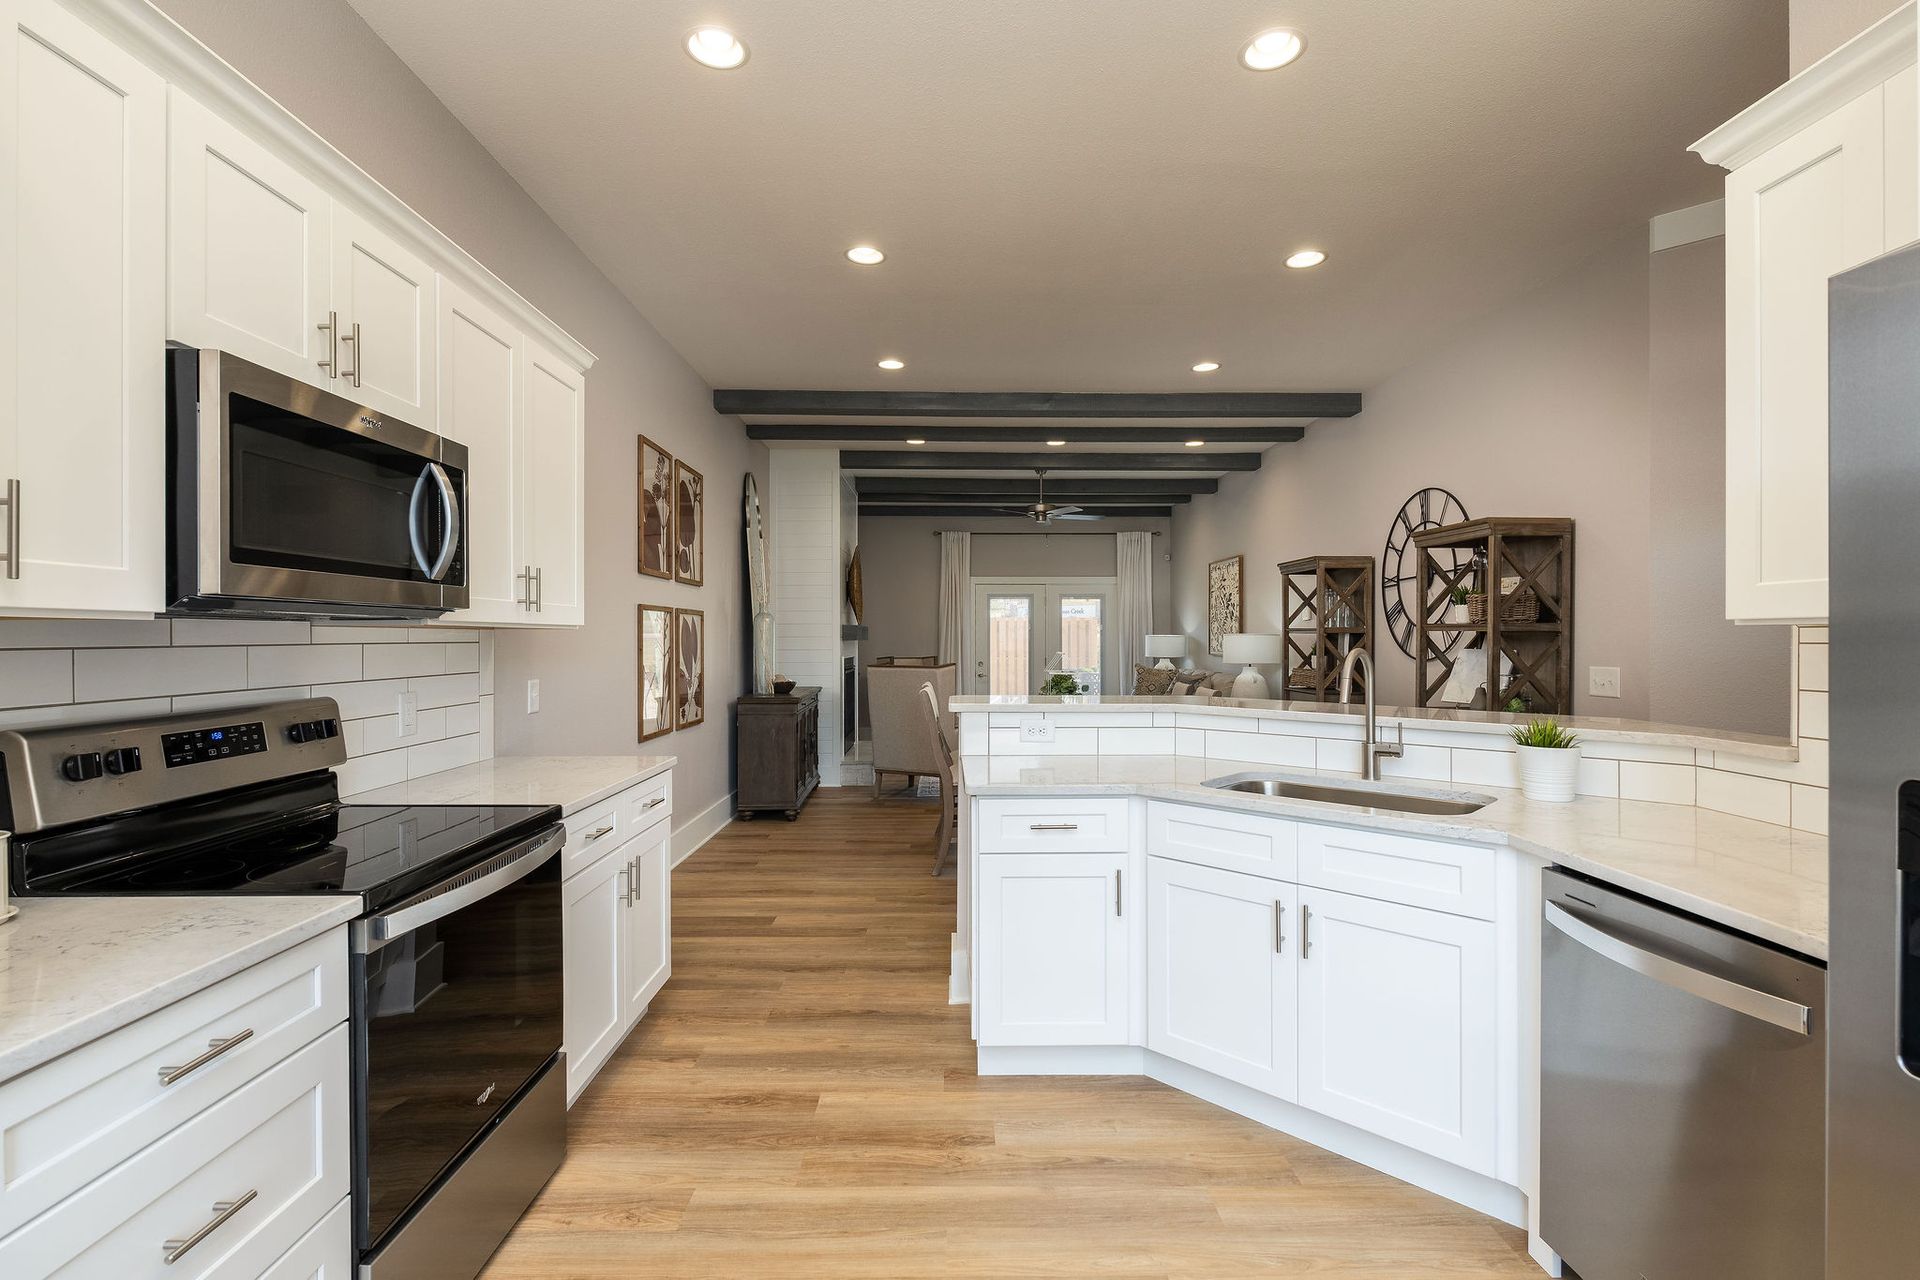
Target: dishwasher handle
[{"x": 1785, "y": 1014}]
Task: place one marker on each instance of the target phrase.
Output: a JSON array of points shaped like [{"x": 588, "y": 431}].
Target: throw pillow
[{"x": 1152, "y": 682}]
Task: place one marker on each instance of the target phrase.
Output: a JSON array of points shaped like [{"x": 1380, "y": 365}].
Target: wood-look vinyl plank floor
[{"x": 800, "y": 1102}]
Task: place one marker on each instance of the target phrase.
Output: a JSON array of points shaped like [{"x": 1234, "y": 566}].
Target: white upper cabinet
[
  {"x": 1823, "y": 174},
  {"x": 383, "y": 296},
  {"x": 480, "y": 366},
  {"x": 82, "y": 297},
  {"x": 553, "y": 467},
  {"x": 249, "y": 248}
]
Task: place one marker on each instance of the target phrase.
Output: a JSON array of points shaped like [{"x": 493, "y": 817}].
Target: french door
[{"x": 1018, "y": 626}]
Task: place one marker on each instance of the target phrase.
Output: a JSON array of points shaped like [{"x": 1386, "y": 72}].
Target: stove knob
[
  {"x": 123, "y": 760},
  {"x": 328, "y": 728},
  {"x": 302, "y": 732},
  {"x": 81, "y": 767}
]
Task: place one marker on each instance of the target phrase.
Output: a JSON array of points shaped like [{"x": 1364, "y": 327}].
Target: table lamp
[{"x": 1250, "y": 648}]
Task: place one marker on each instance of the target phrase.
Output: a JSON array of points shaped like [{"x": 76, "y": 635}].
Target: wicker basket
[
  {"x": 1520, "y": 606},
  {"x": 1303, "y": 677}
]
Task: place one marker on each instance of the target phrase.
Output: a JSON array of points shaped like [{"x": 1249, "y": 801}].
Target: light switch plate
[
  {"x": 1036, "y": 731},
  {"x": 1603, "y": 682},
  {"x": 533, "y": 697},
  {"x": 409, "y": 713}
]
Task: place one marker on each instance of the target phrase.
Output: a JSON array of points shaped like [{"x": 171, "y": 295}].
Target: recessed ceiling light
[
  {"x": 716, "y": 47},
  {"x": 1195, "y": 444},
  {"x": 1206, "y": 366},
  {"x": 1055, "y": 443},
  {"x": 891, "y": 363},
  {"x": 866, "y": 255},
  {"x": 1271, "y": 50},
  {"x": 916, "y": 441},
  {"x": 1306, "y": 258}
]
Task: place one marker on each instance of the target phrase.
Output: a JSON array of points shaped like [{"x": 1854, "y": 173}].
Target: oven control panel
[{"x": 196, "y": 746}]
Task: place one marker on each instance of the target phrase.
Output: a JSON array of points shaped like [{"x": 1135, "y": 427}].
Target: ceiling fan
[{"x": 1043, "y": 512}]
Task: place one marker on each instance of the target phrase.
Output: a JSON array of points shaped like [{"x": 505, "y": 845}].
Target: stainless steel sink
[{"x": 1356, "y": 796}]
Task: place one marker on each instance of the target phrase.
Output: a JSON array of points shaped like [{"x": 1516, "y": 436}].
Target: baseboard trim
[
  {"x": 1476, "y": 1191},
  {"x": 702, "y": 827}
]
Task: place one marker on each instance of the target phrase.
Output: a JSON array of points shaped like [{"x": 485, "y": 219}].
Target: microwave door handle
[
  {"x": 449, "y": 524},
  {"x": 415, "y": 505},
  {"x": 376, "y": 931}
]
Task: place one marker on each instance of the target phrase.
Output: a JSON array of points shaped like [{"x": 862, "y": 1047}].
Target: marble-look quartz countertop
[
  {"x": 74, "y": 969},
  {"x": 572, "y": 782},
  {"x": 1767, "y": 881},
  {"x": 1600, "y": 728}
]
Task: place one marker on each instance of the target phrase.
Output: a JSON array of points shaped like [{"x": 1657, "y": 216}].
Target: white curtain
[
  {"x": 1133, "y": 607},
  {"x": 956, "y": 602}
]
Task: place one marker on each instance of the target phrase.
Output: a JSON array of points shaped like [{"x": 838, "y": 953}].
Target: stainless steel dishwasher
[{"x": 1682, "y": 1097}]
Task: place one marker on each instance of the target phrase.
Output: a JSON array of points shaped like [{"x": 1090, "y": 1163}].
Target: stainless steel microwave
[{"x": 285, "y": 501}]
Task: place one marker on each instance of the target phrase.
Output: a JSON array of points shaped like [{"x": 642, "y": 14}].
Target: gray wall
[
  {"x": 1701, "y": 669},
  {"x": 326, "y": 66},
  {"x": 1815, "y": 28}
]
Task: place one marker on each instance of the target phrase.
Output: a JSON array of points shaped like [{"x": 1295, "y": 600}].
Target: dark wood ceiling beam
[
  {"x": 1022, "y": 496},
  {"x": 997, "y": 434},
  {"x": 988, "y": 513},
  {"x": 1061, "y": 464},
  {"x": 1000, "y": 486},
  {"x": 1040, "y": 404}
]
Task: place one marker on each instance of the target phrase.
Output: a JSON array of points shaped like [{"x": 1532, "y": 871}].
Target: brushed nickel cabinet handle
[
  {"x": 597, "y": 832},
  {"x": 525, "y": 576},
  {"x": 1306, "y": 943},
  {"x": 331, "y": 327},
  {"x": 639, "y": 886},
  {"x": 12, "y": 501},
  {"x": 1053, "y": 826},
  {"x": 656, "y": 801},
  {"x": 214, "y": 1049},
  {"x": 1116, "y": 893},
  {"x": 174, "y": 1250},
  {"x": 539, "y": 590},
  {"x": 1279, "y": 927},
  {"x": 626, "y": 885},
  {"x": 353, "y": 375}
]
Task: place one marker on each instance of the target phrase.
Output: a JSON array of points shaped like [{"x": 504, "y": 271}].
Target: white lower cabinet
[
  {"x": 618, "y": 922},
  {"x": 1054, "y": 954},
  {"x": 324, "y": 1253},
  {"x": 1221, "y": 964},
  {"x": 1398, "y": 1024}
]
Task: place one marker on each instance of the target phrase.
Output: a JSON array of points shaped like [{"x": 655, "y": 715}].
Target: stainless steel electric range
[{"x": 459, "y": 1086}]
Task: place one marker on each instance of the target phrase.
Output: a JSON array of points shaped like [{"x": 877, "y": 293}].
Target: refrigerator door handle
[{"x": 1784, "y": 1014}]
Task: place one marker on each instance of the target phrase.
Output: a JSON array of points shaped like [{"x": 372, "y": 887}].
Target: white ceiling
[{"x": 1082, "y": 196}]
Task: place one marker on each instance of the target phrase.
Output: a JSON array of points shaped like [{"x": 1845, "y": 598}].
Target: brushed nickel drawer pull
[
  {"x": 1116, "y": 893},
  {"x": 1306, "y": 943},
  {"x": 353, "y": 375},
  {"x": 602, "y": 831},
  {"x": 174, "y": 1250},
  {"x": 214, "y": 1049},
  {"x": 1053, "y": 826},
  {"x": 657, "y": 800},
  {"x": 1279, "y": 927},
  {"x": 331, "y": 327}
]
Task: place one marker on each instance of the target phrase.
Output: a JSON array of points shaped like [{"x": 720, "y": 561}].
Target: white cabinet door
[
  {"x": 383, "y": 295},
  {"x": 1053, "y": 949},
  {"x": 650, "y": 921},
  {"x": 82, "y": 317},
  {"x": 248, "y": 245},
  {"x": 1811, "y": 206},
  {"x": 1221, "y": 973},
  {"x": 553, "y": 463},
  {"x": 594, "y": 967},
  {"x": 324, "y": 1253},
  {"x": 479, "y": 397},
  {"x": 1398, "y": 1025}
]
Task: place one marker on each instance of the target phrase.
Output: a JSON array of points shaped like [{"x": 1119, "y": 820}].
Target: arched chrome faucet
[{"x": 1371, "y": 750}]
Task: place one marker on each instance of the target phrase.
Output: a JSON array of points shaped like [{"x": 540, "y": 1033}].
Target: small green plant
[
  {"x": 1062, "y": 685},
  {"x": 1545, "y": 732},
  {"x": 1518, "y": 706},
  {"x": 1460, "y": 594}
]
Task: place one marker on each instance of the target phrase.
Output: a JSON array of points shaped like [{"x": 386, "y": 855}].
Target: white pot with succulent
[
  {"x": 1549, "y": 760},
  {"x": 1456, "y": 613}
]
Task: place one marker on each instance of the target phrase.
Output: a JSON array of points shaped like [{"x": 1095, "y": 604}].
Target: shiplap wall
[
  {"x": 804, "y": 532},
  {"x": 61, "y": 670}
]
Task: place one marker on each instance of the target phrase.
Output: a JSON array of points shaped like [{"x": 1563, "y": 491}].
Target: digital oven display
[{"x": 198, "y": 745}]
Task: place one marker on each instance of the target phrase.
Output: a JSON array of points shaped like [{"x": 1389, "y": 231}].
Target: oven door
[
  {"x": 291, "y": 501},
  {"x": 457, "y": 1005}
]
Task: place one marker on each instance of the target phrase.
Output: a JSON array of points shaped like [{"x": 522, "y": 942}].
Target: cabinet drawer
[
  {"x": 646, "y": 804},
  {"x": 1053, "y": 824},
  {"x": 593, "y": 833},
  {"x": 280, "y": 1145},
  {"x": 65, "y": 1124},
  {"x": 1247, "y": 842},
  {"x": 1456, "y": 878},
  {"x": 324, "y": 1253}
]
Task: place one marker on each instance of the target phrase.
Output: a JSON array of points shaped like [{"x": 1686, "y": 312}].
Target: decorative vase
[
  {"x": 1548, "y": 773},
  {"x": 1456, "y": 615},
  {"x": 762, "y": 653}
]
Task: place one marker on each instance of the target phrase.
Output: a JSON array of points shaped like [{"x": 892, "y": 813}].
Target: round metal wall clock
[{"x": 1400, "y": 566}]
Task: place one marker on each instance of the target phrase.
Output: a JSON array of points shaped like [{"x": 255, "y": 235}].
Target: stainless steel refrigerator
[{"x": 1873, "y": 1094}]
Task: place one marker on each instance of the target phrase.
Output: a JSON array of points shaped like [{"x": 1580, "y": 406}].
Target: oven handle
[
  {"x": 1785, "y": 1014},
  {"x": 462, "y": 890},
  {"x": 436, "y": 569}
]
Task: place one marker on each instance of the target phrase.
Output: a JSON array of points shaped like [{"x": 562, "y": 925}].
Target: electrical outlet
[
  {"x": 1603, "y": 682},
  {"x": 409, "y": 714},
  {"x": 1036, "y": 730},
  {"x": 533, "y": 697}
]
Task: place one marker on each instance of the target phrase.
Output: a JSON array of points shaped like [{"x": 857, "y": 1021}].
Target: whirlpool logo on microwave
[{"x": 368, "y": 420}]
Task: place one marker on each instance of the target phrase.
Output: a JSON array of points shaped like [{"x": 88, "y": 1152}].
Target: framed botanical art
[
  {"x": 656, "y": 671},
  {"x": 689, "y": 668},
  {"x": 1223, "y": 601},
  {"x": 656, "y": 510},
  {"x": 689, "y": 543}
]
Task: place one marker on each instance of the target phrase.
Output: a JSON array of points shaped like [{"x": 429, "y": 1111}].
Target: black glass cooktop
[{"x": 292, "y": 839}]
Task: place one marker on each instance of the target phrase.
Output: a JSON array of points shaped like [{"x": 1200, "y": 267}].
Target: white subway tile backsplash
[
  {"x": 1660, "y": 783},
  {"x": 463, "y": 658},
  {"x": 1813, "y": 714},
  {"x": 1260, "y": 748},
  {"x": 1813, "y": 667},
  {"x": 444, "y": 691},
  {"x": 1136, "y": 742},
  {"x": 382, "y": 733},
  {"x": 1765, "y": 799},
  {"x": 83, "y": 633},
  {"x": 240, "y": 631},
  {"x": 389, "y": 661},
  {"x": 1598, "y": 778},
  {"x": 485, "y": 707},
  {"x": 100, "y": 674},
  {"x": 32, "y": 677},
  {"x": 1336, "y": 754},
  {"x": 269, "y": 665},
  {"x": 238, "y": 698},
  {"x": 463, "y": 719},
  {"x": 82, "y": 712},
  {"x": 1810, "y": 808},
  {"x": 360, "y": 633},
  {"x": 444, "y": 635},
  {"x": 1486, "y": 768},
  {"x": 363, "y": 698},
  {"x": 1429, "y": 764},
  {"x": 363, "y": 773}
]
